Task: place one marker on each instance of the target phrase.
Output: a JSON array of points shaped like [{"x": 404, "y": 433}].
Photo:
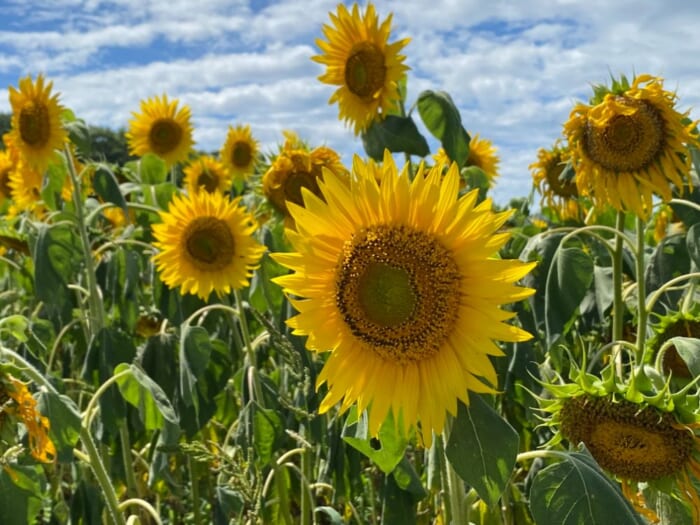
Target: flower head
[
  {"x": 162, "y": 129},
  {"x": 398, "y": 281},
  {"x": 629, "y": 144},
  {"x": 359, "y": 59},
  {"x": 239, "y": 153},
  {"x": 558, "y": 192},
  {"x": 205, "y": 173},
  {"x": 206, "y": 244},
  {"x": 36, "y": 122}
]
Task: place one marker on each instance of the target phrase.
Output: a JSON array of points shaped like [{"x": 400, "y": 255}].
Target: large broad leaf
[
  {"x": 152, "y": 169},
  {"x": 399, "y": 506},
  {"x": 569, "y": 278},
  {"x": 397, "y": 134},
  {"x": 669, "y": 259},
  {"x": 106, "y": 186},
  {"x": 267, "y": 433},
  {"x": 20, "y": 494},
  {"x": 142, "y": 392},
  {"x": 576, "y": 492},
  {"x": 482, "y": 448},
  {"x": 387, "y": 451},
  {"x": 195, "y": 350},
  {"x": 688, "y": 349},
  {"x": 65, "y": 422},
  {"x": 441, "y": 117}
]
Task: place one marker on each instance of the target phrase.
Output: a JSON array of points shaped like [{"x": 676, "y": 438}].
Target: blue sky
[{"x": 513, "y": 68}]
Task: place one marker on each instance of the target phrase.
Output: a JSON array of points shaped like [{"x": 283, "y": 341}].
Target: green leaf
[
  {"x": 442, "y": 118},
  {"x": 668, "y": 260},
  {"x": 195, "y": 350},
  {"x": 692, "y": 240},
  {"x": 576, "y": 492},
  {"x": 54, "y": 181},
  {"x": 688, "y": 349},
  {"x": 20, "y": 494},
  {"x": 152, "y": 169},
  {"x": 16, "y": 326},
  {"x": 407, "y": 479},
  {"x": 482, "y": 448},
  {"x": 145, "y": 394},
  {"x": 333, "y": 517},
  {"x": 78, "y": 132},
  {"x": 569, "y": 278},
  {"x": 397, "y": 134},
  {"x": 65, "y": 422},
  {"x": 398, "y": 506},
  {"x": 107, "y": 188},
  {"x": 267, "y": 433},
  {"x": 387, "y": 451}
]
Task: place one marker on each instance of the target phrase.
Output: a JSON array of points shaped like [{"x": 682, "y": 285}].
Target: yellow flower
[
  {"x": 360, "y": 60},
  {"x": 558, "y": 194},
  {"x": 24, "y": 408},
  {"x": 295, "y": 168},
  {"x": 482, "y": 154},
  {"x": 25, "y": 185},
  {"x": 240, "y": 151},
  {"x": 206, "y": 244},
  {"x": 36, "y": 122},
  {"x": 206, "y": 173},
  {"x": 398, "y": 281},
  {"x": 6, "y": 167},
  {"x": 630, "y": 145},
  {"x": 162, "y": 129}
]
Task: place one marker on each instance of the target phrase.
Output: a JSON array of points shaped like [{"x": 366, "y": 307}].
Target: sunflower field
[{"x": 280, "y": 337}]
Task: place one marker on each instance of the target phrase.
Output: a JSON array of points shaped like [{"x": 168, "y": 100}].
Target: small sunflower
[
  {"x": 360, "y": 60},
  {"x": 206, "y": 244},
  {"x": 399, "y": 283},
  {"x": 6, "y": 167},
  {"x": 208, "y": 174},
  {"x": 560, "y": 195},
  {"x": 629, "y": 144},
  {"x": 162, "y": 129},
  {"x": 296, "y": 167},
  {"x": 239, "y": 153},
  {"x": 36, "y": 122},
  {"x": 17, "y": 402},
  {"x": 25, "y": 183}
]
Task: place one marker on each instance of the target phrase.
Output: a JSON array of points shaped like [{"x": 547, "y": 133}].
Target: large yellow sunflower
[
  {"x": 162, "y": 129},
  {"x": 208, "y": 174},
  {"x": 206, "y": 244},
  {"x": 630, "y": 144},
  {"x": 559, "y": 195},
  {"x": 400, "y": 283},
  {"x": 239, "y": 153},
  {"x": 297, "y": 167},
  {"x": 360, "y": 60},
  {"x": 36, "y": 122}
]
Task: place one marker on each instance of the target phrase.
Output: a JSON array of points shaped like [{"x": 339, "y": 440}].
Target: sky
[{"x": 514, "y": 68}]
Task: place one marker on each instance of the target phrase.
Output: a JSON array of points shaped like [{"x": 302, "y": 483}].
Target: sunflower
[
  {"x": 297, "y": 167},
  {"x": 559, "y": 194},
  {"x": 6, "y": 167},
  {"x": 206, "y": 244},
  {"x": 208, "y": 174},
  {"x": 36, "y": 122},
  {"x": 162, "y": 129},
  {"x": 629, "y": 144},
  {"x": 18, "y": 403},
  {"x": 239, "y": 153},
  {"x": 398, "y": 282},
  {"x": 360, "y": 60},
  {"x": 25, "y": 183}
]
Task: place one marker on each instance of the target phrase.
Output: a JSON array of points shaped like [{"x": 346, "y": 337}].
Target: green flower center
[
  {"x": 398, "y": 290},
  {"x": 35, "y": 124},
  {"x": 365, "y": 71},
  {"x": 165, "y": 136},
  {"x": 209, "y": 243}
]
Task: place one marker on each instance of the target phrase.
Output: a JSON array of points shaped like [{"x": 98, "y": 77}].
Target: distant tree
[{"x": 5, "y": 125}]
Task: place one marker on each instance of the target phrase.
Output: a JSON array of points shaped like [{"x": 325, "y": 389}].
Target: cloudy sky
[{"x": 513, "y": 68}]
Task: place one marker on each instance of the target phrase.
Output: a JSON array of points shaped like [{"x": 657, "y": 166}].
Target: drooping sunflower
[
  {"x": 297, "y": 167},
  {"x": 239, "y": 153},
  {"x": 206, "y": 244},
  {"x": 359, "y": 59},
  {"x": 162, "y": 129},
  {"x": 559, "y": 194},
  {"x": 398, "y": 282},
  {"x": 208, "y": 174},
  {"x": 629, "y": 144},
  {"x": 36, "y": 122}
]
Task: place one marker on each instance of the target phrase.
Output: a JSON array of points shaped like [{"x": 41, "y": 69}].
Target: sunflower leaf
[
  {"x": 397, "y": 134},
  {"x": 575, "y": 491},
  {"x": 106, "y": 186},
  {"x": 688, "y": 349},
  {"x": 387, "y": 451},
  {"x": 144, "y": 393},
  {"x": 482, "y": 448},
  {"x": 442, "y": 118}
]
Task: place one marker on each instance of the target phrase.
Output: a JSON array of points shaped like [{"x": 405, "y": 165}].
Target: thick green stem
[
  {"x": 194, "y": 479},
  {"x": 618, "y": 305},
  {"x": 254, "y": 381},
  {"x": 131, "y": 486},
  {"x": 452, "y": 485},
  {"x": 642, "y": 312}
]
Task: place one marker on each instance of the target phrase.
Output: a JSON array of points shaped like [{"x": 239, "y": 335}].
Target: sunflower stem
[
  {"x": 94, "y": 298},
  {"x": 255, "y": 387},
  {"x": 452, "y": 486},
  {"x": 618, "y": 305},
  {"x": 641, "y": 293}
]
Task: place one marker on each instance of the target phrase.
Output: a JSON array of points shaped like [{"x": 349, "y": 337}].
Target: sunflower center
[
  {"x": 365, "y": 71},
  {"x": 241, "y": 155},
  {"x": 165, "y": 136},
  {"x": 295, "y": 182},
  {"x": 563, "y": 188},
  {"x": 208, "y": 180},
  {"x": 640, "y": 444},
  {"x": 209, "y": 243},
  {"x": 398, "y": 291},
  {"x": 627, "y": 142},
  {"x": 35, "y": 124}
]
